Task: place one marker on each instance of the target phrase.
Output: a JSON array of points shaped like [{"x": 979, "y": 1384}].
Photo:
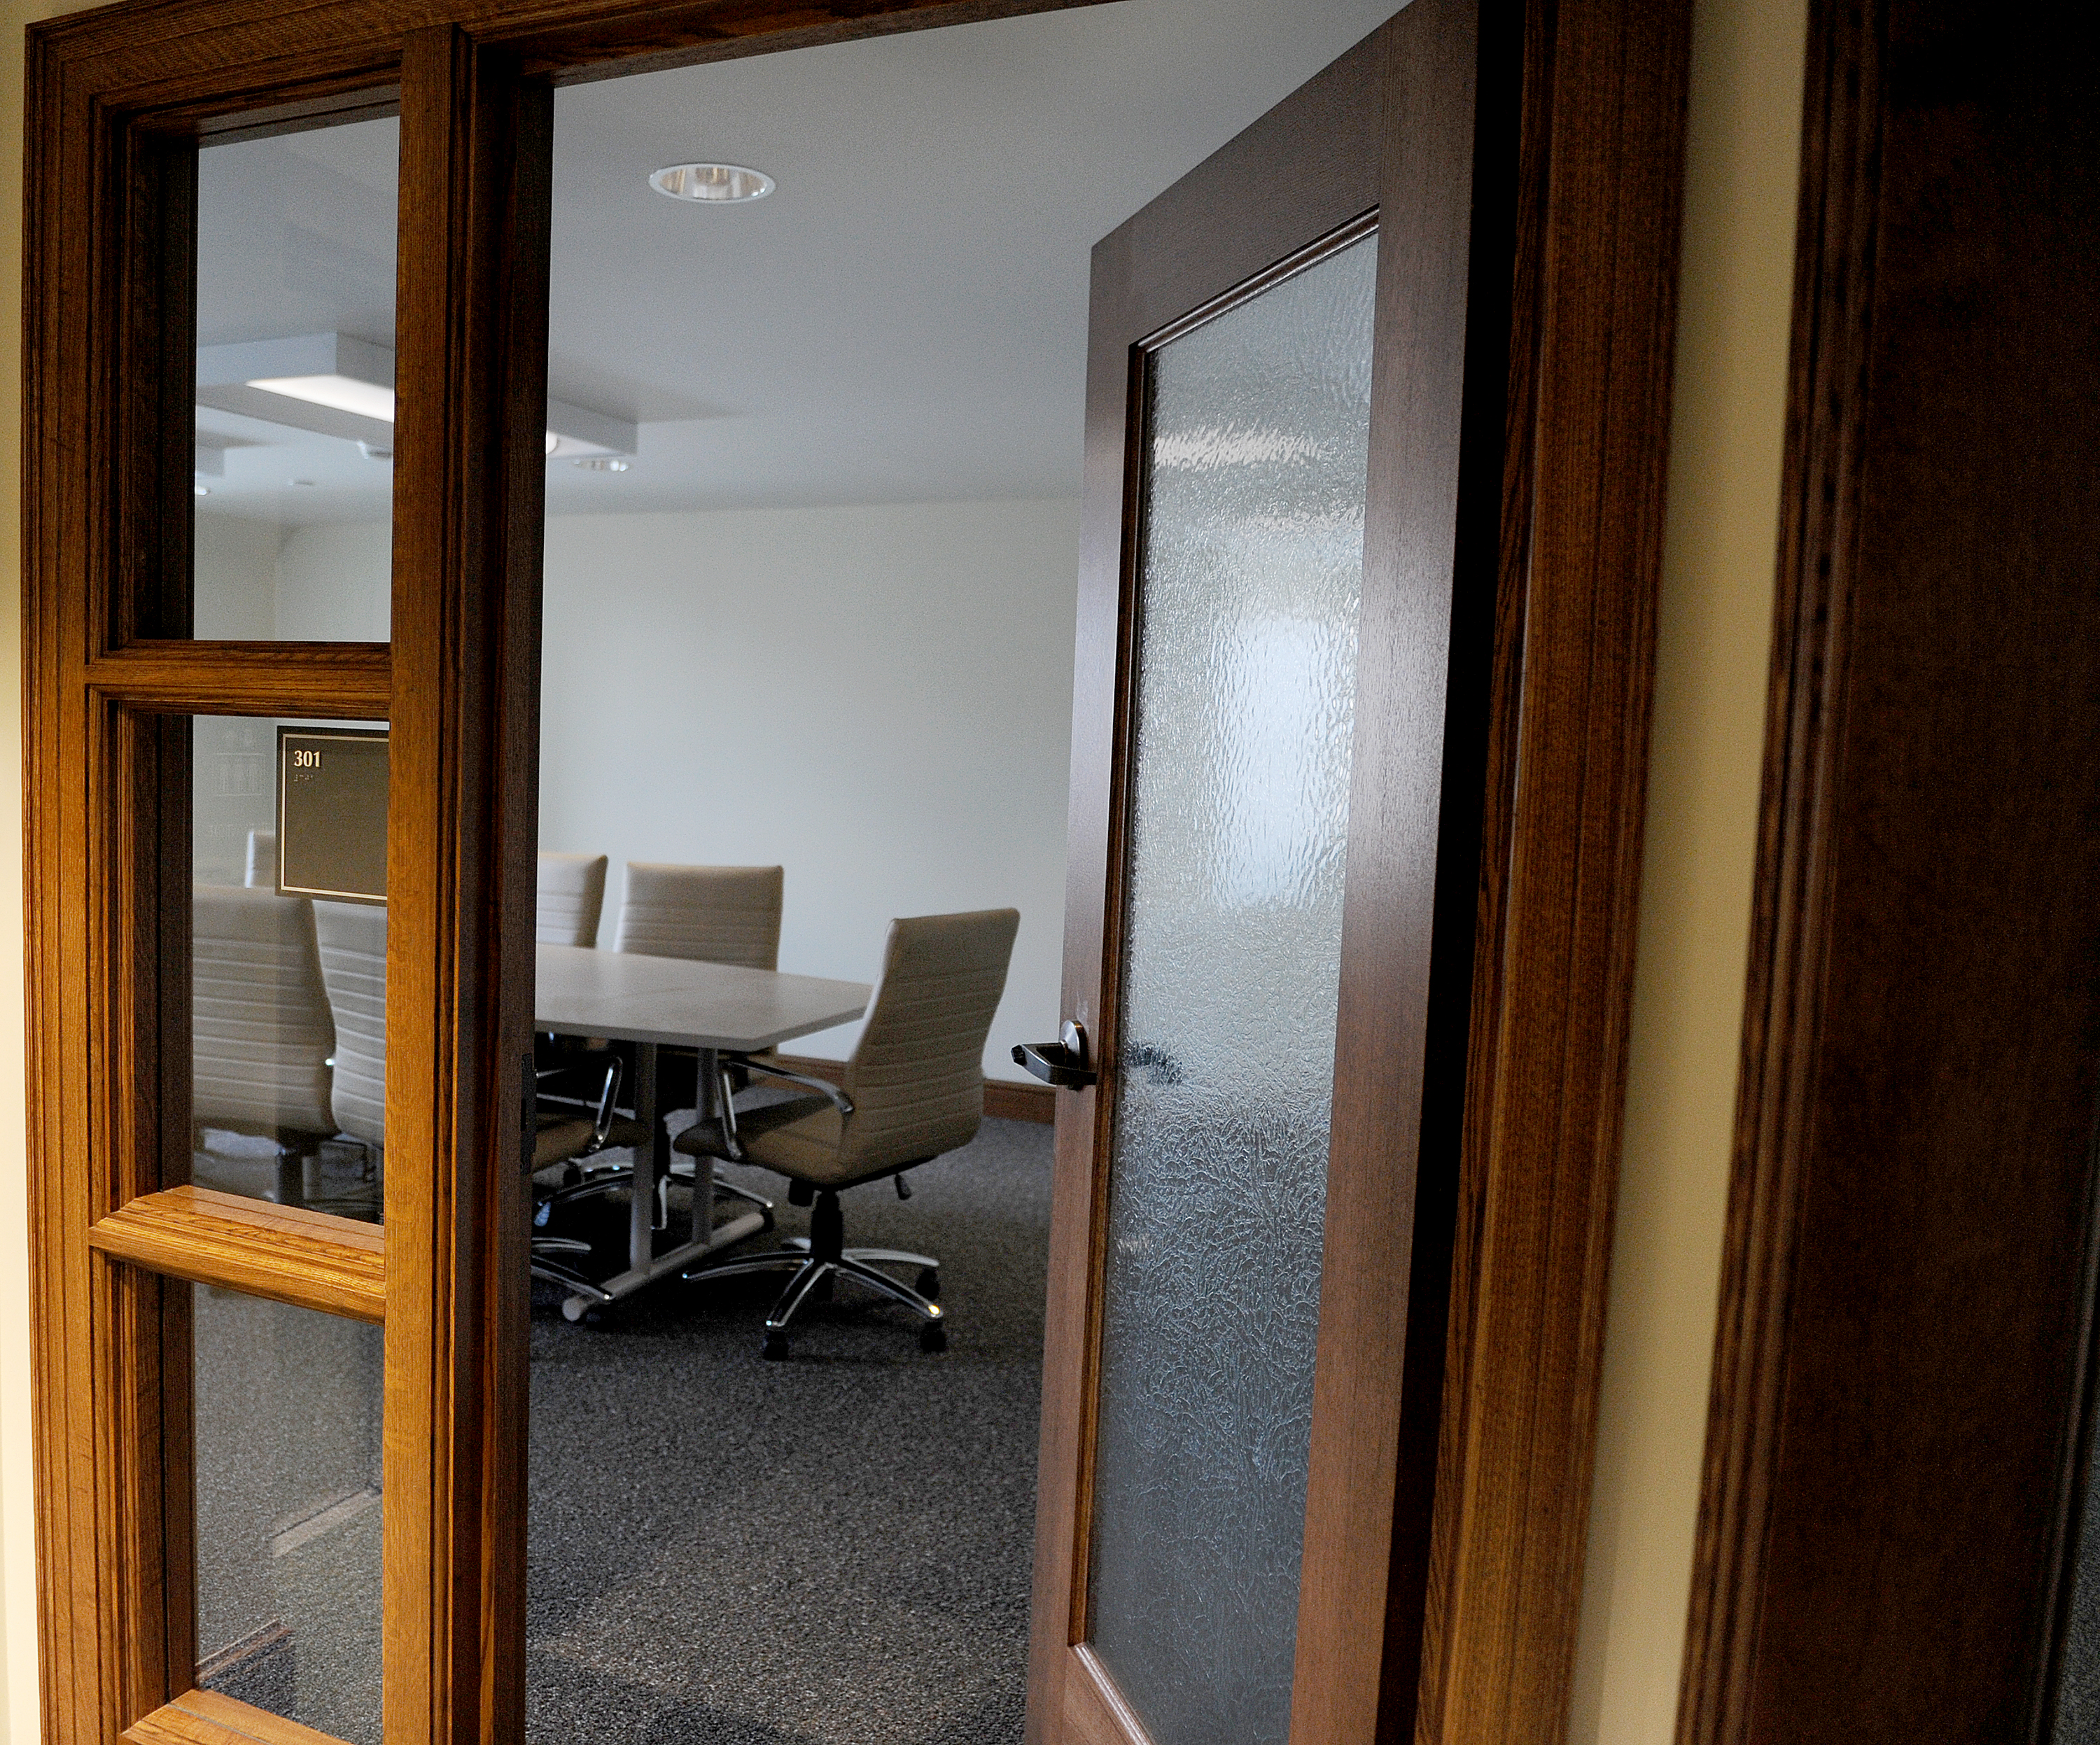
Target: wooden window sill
[
  {"x": 309, "y": 1259},
  {"x": 205, "y": 1717}
]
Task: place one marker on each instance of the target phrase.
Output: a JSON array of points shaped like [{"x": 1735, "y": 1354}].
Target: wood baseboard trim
[{"x": 1003, "y": 1101}]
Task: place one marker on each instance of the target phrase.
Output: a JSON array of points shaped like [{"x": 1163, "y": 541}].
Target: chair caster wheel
[
  {"x": 574, "y": 1308},
  {"x": 929, "y": 1284},
  {"x": 766, "y": 1219},
  {"x": 775, "y": 1348},
  {"x": 933, "y": 1337}
]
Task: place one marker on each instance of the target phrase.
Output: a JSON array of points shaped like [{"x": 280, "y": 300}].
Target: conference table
[{"x": 651, "y": 1002}]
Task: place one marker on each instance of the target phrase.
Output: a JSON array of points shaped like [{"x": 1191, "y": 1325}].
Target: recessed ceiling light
[
  {"x": 202, "y": 490},
  {"x": 716, "y": 184},
  {"x": 597, "y": 465}
]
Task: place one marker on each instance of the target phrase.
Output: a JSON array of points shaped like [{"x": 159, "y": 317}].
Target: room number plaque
[{"x": 331, "y": 813}]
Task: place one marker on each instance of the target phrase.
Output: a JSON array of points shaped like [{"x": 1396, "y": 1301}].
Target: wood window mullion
[{"x": 476, "y": 169}]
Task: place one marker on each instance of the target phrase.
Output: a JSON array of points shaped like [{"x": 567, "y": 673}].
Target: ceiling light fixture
[
  {"x": 607, "y": 465},
  {"x": 349, "y": 384},
  {"x": 368, "y": 399},
  {"x": 711, "y": 184}
]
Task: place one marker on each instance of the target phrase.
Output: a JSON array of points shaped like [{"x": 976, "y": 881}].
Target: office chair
[
  {"x": 571, "y": 894},
  {"x": 913, "y": 1090},
  {"x": 564, "y": 1141},
  {"x": 709, "y": 915},
  {"x": 352, "y": 937},
  {"x": 352, "y": 940},
  {"x": 261, "y": 1030}
]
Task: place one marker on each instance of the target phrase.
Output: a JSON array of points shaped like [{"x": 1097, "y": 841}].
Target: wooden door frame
[
  {"x": 116, "y": 100},
  {"x": 1903, "y": 1361}
]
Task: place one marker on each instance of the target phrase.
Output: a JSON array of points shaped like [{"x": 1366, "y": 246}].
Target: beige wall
[
  {"x": 1695, "y": 902},
  {"x": 1714, "y": 639}
]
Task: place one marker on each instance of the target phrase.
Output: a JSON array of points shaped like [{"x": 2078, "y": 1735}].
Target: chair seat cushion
[
  {"x": 798, "y": 1138},
  {"x": 561, "y": 1137}
]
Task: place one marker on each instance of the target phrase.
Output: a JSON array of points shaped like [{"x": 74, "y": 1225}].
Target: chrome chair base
[
  {"x": 814, "y": 1275},
  {"x": 545, "y": 1266}
]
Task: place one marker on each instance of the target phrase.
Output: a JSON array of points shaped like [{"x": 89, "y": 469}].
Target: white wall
[
  {"x": 235, "y": 570},
  {"x": 334, "y": 583},
  {"x": 878, "y": 699}
]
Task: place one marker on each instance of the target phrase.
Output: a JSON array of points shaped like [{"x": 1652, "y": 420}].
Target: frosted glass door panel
[{"x": 1250, "y": 580}]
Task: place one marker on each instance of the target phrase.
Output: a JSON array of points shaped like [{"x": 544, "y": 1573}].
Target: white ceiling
[{"x": 904, "y": 320}]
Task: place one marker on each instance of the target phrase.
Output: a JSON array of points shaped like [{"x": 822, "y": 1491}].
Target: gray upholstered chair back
[
  {"x": 571, "y": 896},
  {"x": 260, "y": 1027},
  {"x": 353, "y": 952},
  {"x": 261, "y": 871},
  {"x": 712, "y": 914},
  {"x": 916, "y": 1077}
]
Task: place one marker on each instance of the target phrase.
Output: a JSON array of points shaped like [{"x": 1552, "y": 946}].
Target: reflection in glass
[
  {"x": 2078, "y": 1669},
  {"x": 288, "y": 1511},
  {"x": 289, "y": 993},
  {"x": 295, "y": 386},
  {"x": 1250, "y": 578}
]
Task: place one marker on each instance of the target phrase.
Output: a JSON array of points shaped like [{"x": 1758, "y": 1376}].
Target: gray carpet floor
[{"x": 834, "y": 1549}]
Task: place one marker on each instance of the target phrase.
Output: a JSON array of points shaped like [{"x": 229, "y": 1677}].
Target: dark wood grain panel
[
  {"x": 1445, "y": 197},
  {"x": 1903, "y": 1342},
  {"x": 190, "y": 61},
  {"x": 1595, "y": 301}
]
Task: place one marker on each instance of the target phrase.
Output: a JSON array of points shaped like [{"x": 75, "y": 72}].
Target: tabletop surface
[{"x": 631, "y": 997}]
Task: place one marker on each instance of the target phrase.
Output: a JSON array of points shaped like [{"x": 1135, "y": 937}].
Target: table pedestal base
[
  {"x": 661, "y": 1266},
  {"x": 652, "y": 1165}
]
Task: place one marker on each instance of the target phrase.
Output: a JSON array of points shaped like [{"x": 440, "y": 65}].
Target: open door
[
  {"x": 1295, "y": 390},
  {"x": 1377, "y": 414}
]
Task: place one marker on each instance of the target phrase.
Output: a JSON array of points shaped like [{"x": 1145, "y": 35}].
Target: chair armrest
[{"x": 839, "y": 1100}]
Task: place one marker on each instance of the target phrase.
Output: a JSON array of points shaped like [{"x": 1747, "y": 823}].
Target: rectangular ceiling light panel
[
  {"x": 368, "y": 399},
  {"x": 338, "y": 386}
]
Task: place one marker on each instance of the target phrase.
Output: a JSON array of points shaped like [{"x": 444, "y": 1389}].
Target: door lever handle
[{"x": 1063, "y": 1063}]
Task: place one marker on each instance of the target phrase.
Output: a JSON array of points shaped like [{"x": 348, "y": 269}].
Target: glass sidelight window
[
  {"x": 287, "y": 1489},
  {"x": 295, "y": 386},
  {"x": 288, "y": 960}
]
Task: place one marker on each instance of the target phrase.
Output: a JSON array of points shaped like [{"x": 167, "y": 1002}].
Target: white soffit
[{"x": 230, "y": 378}]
